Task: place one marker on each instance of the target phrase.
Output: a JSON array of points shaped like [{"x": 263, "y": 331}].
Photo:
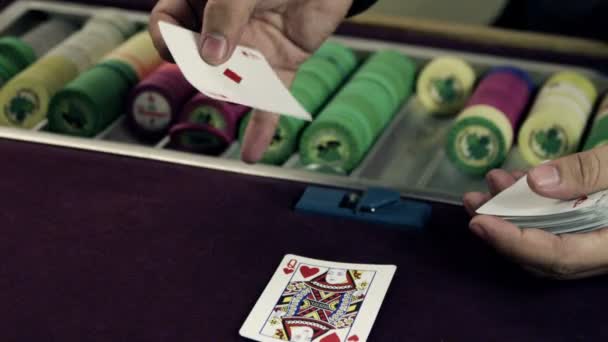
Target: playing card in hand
[
  {"x": 246, "y": 78},
  {"x": 318, "y": 301},
  {"x": 526, "y": 209}
]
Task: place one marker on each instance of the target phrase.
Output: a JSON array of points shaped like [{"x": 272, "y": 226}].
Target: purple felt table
[{"x": 95, "y": 247}]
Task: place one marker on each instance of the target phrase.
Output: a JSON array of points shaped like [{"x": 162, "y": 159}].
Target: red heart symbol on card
[
  {"x": 308, "y": 272},
  {"x": 331, "y": 338},
  {"x": 288, "y": 270},
  {"x": 353, "y": 338}
]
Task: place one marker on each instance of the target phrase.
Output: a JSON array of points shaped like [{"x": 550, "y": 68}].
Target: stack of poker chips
[
  {"x": 346, "y": 129},
  {"x": 599, "y": 131},
  {"x": 157, "y": 101},
  {"x": 16, "y": 54},
  {"x": 207, "y": 126},
  {"x": 558, "y": 118},
  {"x": 92, "y": 101},
  {"x": 482, "y": 135},
  {"x": 445, "y": 85},
  {"x": 316, "y": 81},
  {"x": 25, "y": 99}
]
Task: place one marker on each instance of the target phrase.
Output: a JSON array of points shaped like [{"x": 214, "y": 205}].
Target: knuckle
[{"x": 588, "y": 170}]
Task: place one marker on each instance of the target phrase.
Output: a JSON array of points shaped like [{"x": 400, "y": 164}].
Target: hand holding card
[
  {"x": 246, "y": 78},
  {"x": 317, "y": 301}
]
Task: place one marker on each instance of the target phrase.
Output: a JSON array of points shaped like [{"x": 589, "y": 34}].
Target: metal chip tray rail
[{"x": 408, "y": 157}]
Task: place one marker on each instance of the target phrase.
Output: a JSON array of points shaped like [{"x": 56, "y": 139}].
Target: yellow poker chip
[
  {"x": 580, "y": 81},
  {"x": 139, "y": 52},
  {"x": 550, "y": 133},
  {"x": 479, "y": 140},
  {"x": 445, "y": 85},
  {"x": 75, "y": 54},
  {"x": 24, "y": 100}
]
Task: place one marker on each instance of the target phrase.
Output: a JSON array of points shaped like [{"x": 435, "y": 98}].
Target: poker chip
[
  {"x": 599, "y": 130},
  {"x": 479, "y": 140},
  {"x": 482, "y": 134},
  {"x": 445, "y": 84},
  {"x": 558, "y": 118},
  {"x": 115, "y": 19},
  {"x": 324, "y": 70},
  {"x": 157, "y": 101},
  {"x": 24, "y": 100},
  {"x": 18, "y": 54},
  {"x": 74, "y": 54},
  {"x": 88, "y": 104},
  {"x": 284, "y": 142},
  {"x": 99, "y": 36},
  {"x": 138, "y": 52},
  {"x": 305, "y": 84},
  {"x": 316, "y": 82},
  {"x": 310, "y": 98},
  {"x": 207, "y": 125},
  {"x": 42, "y": 38},
  {"x": 339, "y": 55},
  {"x": 197, "y": 138},
  {"x": 358, "y": 113},
  {"x": 372, "y": 97},
  {"x": 338, "y": 139}
]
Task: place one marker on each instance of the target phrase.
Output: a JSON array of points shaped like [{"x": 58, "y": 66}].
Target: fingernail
[
  {"x": 545, "y": 176},
  {"x": 214, "y": 47},
  {"x": 478, "y": 230}
]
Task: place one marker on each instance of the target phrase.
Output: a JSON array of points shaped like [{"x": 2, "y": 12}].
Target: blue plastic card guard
[{"x": 375, "y": 205}]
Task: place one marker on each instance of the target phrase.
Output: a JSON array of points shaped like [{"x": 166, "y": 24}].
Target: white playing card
[
  {"x": 246, "y": 78},
  {"x": 519, "y": 200},
  {"x": 311, "y": 300}
]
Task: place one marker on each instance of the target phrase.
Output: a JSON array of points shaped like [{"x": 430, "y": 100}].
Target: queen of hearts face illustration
[{"x": 336, "y": 276}]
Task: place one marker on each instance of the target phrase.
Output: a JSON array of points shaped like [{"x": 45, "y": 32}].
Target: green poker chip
[
  {"x": 127, "y": 72},
  {"x": 475, "y": 145},
  {"x": 18, "y": 51},
  {"x": 339, "y": 55},
  {"x": 332, "y": 143},
  {"x": 208, "y": 115},
  {"x": 15, "y": 55},
  {"x": 88, "y": 104},
  {"x": 309, "y": 98},
  {"x": 325, "y": 71},
  {"x": 599, "y": 134},
  {"x": 383, "y": 105},
  {"x": 284, "y": 142}
]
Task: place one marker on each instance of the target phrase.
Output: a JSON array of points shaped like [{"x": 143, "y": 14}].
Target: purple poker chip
[
  {"x": 156, "y": 102},
  {"x": 506, "y": 90},
  {"x": 222, "y": 116}
]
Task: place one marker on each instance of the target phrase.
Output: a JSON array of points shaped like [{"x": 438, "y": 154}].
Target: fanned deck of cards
[
  {"x": 524, "y": 208},
  {"x": 246, "y": 78},
  {"x": 311, "y": 300}
]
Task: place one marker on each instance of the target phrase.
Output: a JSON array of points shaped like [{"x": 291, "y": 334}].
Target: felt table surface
[{"x": 96, "y": 247}]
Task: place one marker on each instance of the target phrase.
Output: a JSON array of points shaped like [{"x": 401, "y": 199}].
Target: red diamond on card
[{"x": 233, "y": 76}]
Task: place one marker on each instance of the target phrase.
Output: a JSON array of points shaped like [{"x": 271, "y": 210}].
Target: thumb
[
  {"x": 223, "y": 25},
  {"x": 573, "y": 176}
]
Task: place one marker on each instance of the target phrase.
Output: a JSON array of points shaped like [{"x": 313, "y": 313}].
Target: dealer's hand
[
  {"x": 285, "y": 31},
  {"x": 569, "y": 256}
]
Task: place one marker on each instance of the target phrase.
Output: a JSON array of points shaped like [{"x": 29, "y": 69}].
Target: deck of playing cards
[
  {"x": 318, "y": 301},
  {"x": 524, "y": 208}
]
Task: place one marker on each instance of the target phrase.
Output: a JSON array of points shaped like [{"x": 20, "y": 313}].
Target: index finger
[{"x": 178, "y": 12}]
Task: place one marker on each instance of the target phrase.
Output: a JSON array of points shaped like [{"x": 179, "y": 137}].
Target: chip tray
[{"x": 408, "y": 157}]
